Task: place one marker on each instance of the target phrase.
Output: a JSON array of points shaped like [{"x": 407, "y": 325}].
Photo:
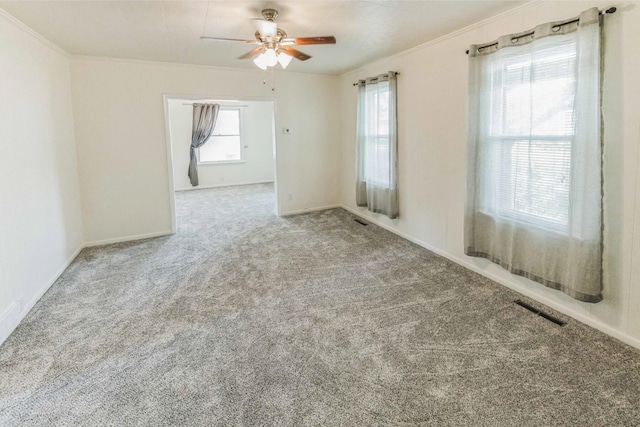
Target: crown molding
[{"x": 22, "y": 26}]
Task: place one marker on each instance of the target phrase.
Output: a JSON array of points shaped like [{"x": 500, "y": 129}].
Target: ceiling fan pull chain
[{"x": 273, "y": 80}]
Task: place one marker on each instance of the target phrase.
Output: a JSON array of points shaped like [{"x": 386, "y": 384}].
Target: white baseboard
[
  {"x": 127, "y": 238},
  {"x": 594, "y": 323},
  {"x": 301, "y": 211},
  {"x": 204, "y": 187},
  {"x": 15, "y": 313},
  {"x": 12, "y": 317},
  {"x": 9, "y": 320}
]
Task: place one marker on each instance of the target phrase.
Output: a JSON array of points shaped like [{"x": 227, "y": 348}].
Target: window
[
  {"x": 224, "y": 145},
  {"x": 532, "y": 127},
  {"x": 377, "y": 170},
  {"x": 377, "y": 145},
  {"x": 534, "y": 155}
]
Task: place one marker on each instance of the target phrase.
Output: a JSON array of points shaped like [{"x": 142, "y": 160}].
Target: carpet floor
[{"x": 244, "y": 318}]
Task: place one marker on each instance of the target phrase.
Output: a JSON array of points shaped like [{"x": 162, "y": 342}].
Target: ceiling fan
[{"x": 274, "y": 46}]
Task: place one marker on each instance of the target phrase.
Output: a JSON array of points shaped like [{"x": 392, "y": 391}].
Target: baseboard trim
[
  {"x": 14, "y": 315},
  {"x": 127, "y": 238},
  {"x": 9, "y": 320},
  {"x": 589, "y": 321},
  {"x": 307, "y": 210},
  {"x": 204, "y": 187}
]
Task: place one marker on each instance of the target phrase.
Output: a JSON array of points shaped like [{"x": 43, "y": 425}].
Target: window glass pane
[
  {"x": 221, "y": 149},
  {"x": 383, "y": 112},
  {"x": 377, "y": 164},
  {"x": 538, "y": 93},
  {"x": 534, "y": 181},
  {"x": 227, "y": 123}
]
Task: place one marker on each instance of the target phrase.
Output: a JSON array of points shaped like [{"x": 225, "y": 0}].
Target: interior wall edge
[{"x": 589, "y": 321}]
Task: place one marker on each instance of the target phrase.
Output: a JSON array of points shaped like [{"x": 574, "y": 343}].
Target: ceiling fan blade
[
  {"x": 230, "y": 40},
  {"x": 296, "y": 53},
  {"x": 311, "y": 40},
  {"x": 252, "y": 53},
  {"x": 265, "y": 28}
]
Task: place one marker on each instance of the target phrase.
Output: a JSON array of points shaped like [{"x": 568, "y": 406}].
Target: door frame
[{"x": 207, "y": 98}]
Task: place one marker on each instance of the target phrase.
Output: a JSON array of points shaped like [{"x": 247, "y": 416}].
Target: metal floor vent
[
  {"x": 361, "y": 222},
  {"x": 540, "y": 313}
]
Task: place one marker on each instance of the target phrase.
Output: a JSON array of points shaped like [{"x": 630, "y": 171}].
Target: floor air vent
[
  {"x": 361, "y": 222},
  {"x": 540, "y": 313}
]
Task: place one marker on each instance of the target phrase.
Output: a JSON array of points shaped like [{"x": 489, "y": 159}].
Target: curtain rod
[
  {"x": 395, "y": 73},
  {"x": 609, "y": 11},
  {"x": 222, "y": 105}
]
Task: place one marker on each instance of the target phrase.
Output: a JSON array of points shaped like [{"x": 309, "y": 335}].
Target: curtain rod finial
[{"x": 612, "y": 9}]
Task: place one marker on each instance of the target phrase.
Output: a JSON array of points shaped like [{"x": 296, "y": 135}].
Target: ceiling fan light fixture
[
  {"x": 261, "y": 61},
  {"x": 271, "y": 58},
  {"x": 274, "y": 45},
  {"x": 284, "y": 59}
]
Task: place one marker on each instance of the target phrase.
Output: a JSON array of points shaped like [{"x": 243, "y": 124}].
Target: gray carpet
[{"x": 244, "y": 318}]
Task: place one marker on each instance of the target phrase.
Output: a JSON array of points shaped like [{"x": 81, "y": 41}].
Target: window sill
[
  {"x": 222, "y": 162},
  {"x": 505, "y": 219}
]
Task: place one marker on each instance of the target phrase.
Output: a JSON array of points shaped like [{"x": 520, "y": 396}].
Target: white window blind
[
  {"x": 225, "y": 143},
  {"x": 531, "y": 132},
  {"x": 377, "y": 167}
]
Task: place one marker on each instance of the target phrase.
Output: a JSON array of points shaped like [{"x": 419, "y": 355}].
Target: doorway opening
[{"x": 238, "y": 160}]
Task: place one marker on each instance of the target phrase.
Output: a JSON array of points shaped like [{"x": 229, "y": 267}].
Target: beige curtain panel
[
  {"x": 534, "y": 154},
  {"x": 204, "y": 121}
]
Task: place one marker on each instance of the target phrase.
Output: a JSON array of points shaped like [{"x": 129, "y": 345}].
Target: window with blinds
[
  {"x": 377, "y": 165},
  {"x": 531, "y": 132},
  {"x": 224, "y": 145}
]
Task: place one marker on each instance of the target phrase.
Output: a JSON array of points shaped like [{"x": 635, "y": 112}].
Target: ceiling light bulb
[
  {"x": 261, "y": 61},
  {"x": 284, "y": 59},
  {"x": 270, "y": 57}
]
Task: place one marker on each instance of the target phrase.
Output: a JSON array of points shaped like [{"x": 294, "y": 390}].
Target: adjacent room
[
  {"x": 219, "y": 143},
  {"x": 327, "y": 212}
]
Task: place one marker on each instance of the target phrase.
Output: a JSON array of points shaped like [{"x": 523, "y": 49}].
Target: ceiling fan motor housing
[{"x": 280, "y": 34}]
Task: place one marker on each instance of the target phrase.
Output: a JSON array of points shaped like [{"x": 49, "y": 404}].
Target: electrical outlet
[{"x": 290, "y": 197}]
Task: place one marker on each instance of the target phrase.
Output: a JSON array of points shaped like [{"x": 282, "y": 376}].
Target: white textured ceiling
[{"x": 170, "y": 31}]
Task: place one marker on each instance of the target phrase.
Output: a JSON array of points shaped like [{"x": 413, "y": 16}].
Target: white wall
[
  {"x": 120, "y": 133},
  {"x": 256, "y": 133},
  {"x": 40, "y": 215},
  {"x": 432, "y": 121}
]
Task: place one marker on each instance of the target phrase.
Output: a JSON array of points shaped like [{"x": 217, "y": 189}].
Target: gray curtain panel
[
  {"x": 204, "y": 121},
  {"x": 534, "y": 155},
  {"x": 377, "y": 145}
]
